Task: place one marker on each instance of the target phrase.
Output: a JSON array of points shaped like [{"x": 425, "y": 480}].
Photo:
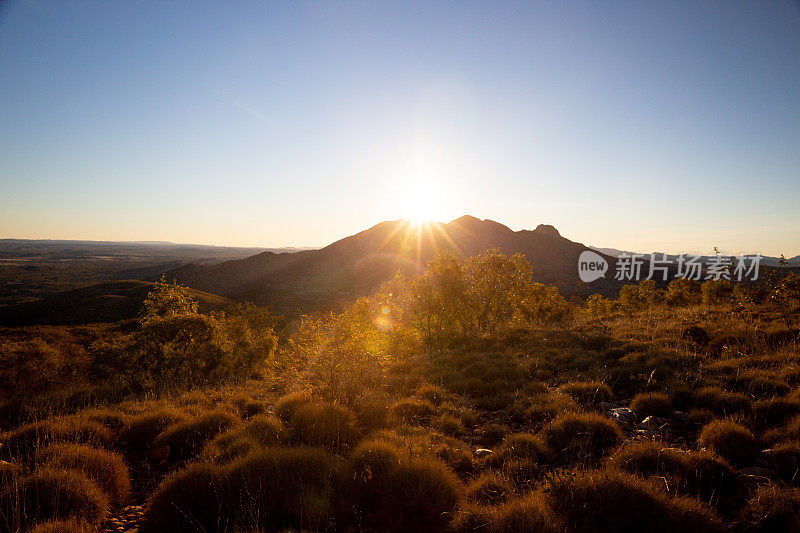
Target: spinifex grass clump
[
  {"x": 51, "y": 495},
  {"x": 576, "y": 438},
  {"x": 729, "y": 440},
  {"x": 684, "y": 473},
  {"x": 108, "y": 470},
  {"x": 619, "y": 503}
]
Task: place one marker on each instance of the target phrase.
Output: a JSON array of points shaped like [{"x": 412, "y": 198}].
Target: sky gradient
[{"x": 670, "y": 126}]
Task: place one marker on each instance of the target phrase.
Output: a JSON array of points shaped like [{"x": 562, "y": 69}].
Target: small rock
[
  {"x": 654, "y": 423},
  {"x": 645, "y": 433},
  {"x": 622, "y": 415},
  {"x": 483, "y": 452},
  {"x": 607, "y": 406}
]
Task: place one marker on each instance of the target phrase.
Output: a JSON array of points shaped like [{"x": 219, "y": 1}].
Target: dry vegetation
[{"x": 465, "y": 399}]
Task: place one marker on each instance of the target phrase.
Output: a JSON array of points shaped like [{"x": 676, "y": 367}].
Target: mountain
[
  {"x": 356, "y": 265},
  {"x": 102, "y": 302}
]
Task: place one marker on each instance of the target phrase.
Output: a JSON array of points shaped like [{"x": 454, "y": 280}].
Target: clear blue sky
[{"x": 669, "y": 126}]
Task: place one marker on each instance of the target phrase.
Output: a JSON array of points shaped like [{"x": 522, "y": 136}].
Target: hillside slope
[{"x": 103, "y": 302}]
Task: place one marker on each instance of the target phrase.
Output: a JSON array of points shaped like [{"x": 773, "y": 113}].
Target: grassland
[{"x": 437, "y": 404}]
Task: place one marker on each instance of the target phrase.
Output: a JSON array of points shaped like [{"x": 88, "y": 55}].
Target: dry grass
[
  {"x": 108, "y": 470},
  {"x": 651, "y": 404},
  {"x": 52, "y": 495},
  {"x": 581, "y": 438},
  {"x": 614, "y": 502},
  {"x": 187, "y": 438},
  {"x": 729, "y": 440},
  {"x": 588, "y": 393}
]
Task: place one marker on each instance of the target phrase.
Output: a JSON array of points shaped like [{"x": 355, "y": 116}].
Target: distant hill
[
  {"x": 356, "y": 265},
  {"x": 103, "y": 302},
  {"x": 32, "y": 269}
]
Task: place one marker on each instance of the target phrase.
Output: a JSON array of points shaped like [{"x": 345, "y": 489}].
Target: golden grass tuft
[
  {"x": 620, "y": 503},
  {"x": 52, "y": 495},
  {"x": 108, "y": 470},
  {"x": 729, "y": 440},
  {"x": 580, "y": 438}
]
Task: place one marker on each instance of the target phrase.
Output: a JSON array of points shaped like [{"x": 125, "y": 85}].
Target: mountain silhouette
[{"x": 356, "y": 265}]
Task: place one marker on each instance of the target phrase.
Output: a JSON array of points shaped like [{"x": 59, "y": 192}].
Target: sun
[{"x": 421, "y": 202}]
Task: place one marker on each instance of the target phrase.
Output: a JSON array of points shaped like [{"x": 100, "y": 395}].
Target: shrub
[
  {"x": 62, "y": 526},
  {"x": 412, "y": 410},
  {"x": 772, "y": 509},
  {"x": 188, "y": 437},
  {"x": 721, "y": 402},
  {"x": 729, "y": 440},
  {"x": 490, "y": 488},
  {"x": 449, "y": 425},
  {"x": 785, "y": 459},
  {"x": 574, "y": 437},
  {"x": 527, "y": 514},
  {"x": 288, "y": 404},
  {"x": 142, "y": 429},
  {"x": 775, "y": 411},
  {"x": 52, "y": 495},
  {"x": 323, "y": 425},
  {"x": 759, "y": 383},
  {"x": 9, "y": 472},
  {"x": 396, "y": 491},
  {"x": 615, "y": 502},
  {"x": 106, "y": 469},
  {"x": 260, "y": 431},
  {"x": 543, "y": 408},
  {"x": 432, "y": 393},
  {"x": 651, "y": 404},
  {"x": 493, "y": 433},
  {"x": 699, "y": 474},
  {"x": 189, "y": 500},
  {"x": 273, "y": 489},
  {"x": 521, "y": 457},
  {"x": 371, "y": 414},
  {"x": 588, "y": 393},
  {"x": 23, "y": 442}
]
